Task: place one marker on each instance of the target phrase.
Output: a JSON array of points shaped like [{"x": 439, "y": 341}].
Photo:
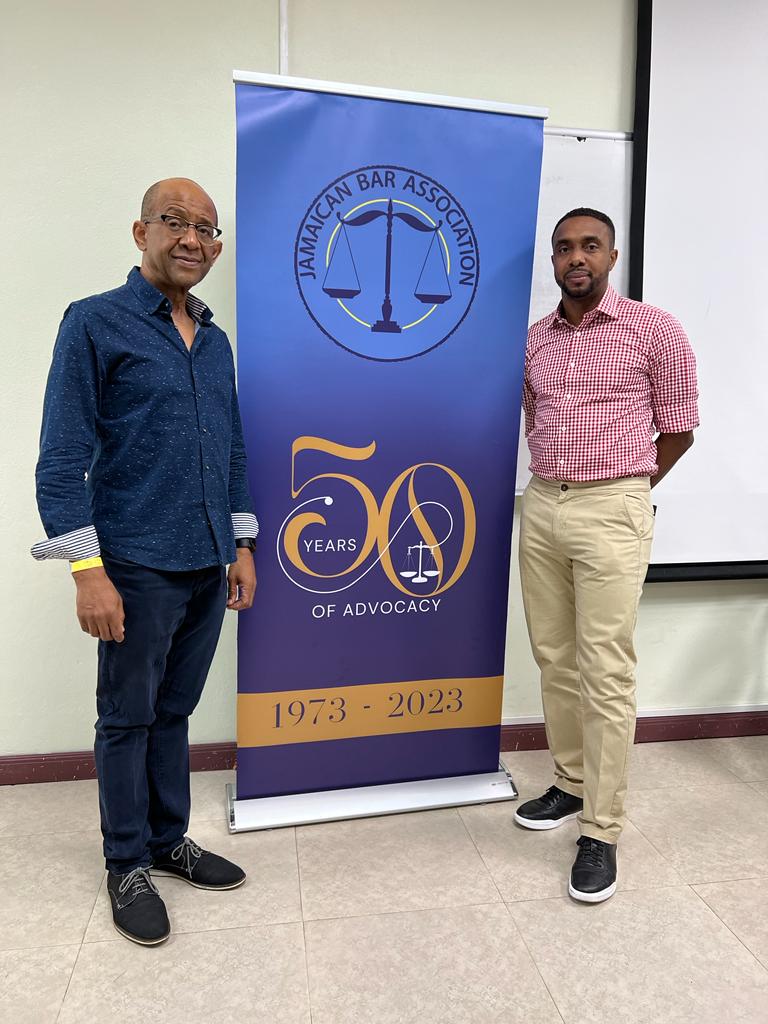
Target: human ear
[{"x": 140, "y": 234}]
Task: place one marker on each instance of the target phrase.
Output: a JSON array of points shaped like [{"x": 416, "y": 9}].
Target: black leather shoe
[
  {"x": 138, "y": 912},
  {"x": 200, "y": 868},
  {"x": 549, "y": 811},
  {"x": 593, "y": 875}
]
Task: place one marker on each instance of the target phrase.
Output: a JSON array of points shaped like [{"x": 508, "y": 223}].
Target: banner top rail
[{"x": 394, "y": 95}]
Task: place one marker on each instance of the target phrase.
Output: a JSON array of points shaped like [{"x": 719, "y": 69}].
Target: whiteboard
[
  {"x": 596, "y": 172},
  {"x": 706, "y": 224}
]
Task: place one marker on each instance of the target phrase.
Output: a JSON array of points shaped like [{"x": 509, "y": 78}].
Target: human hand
[
  {"x": 99, "y": 605},
  {"x": 241, "y": 581}
]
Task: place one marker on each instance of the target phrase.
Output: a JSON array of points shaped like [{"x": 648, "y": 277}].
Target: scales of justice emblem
[
  {"x": 342, "y": 280},
  {"x": 420, "y": 574},
  {"x": 386, "y": 262}
]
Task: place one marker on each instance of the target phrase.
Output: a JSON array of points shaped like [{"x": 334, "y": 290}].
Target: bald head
[
  {"x": 175, "y": 258},
  {"x": 157, "y": 195}
]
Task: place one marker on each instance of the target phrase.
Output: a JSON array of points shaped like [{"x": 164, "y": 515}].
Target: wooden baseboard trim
[
  {"x": 71, "y": 766},
  {"x": 655, "y": 729}
]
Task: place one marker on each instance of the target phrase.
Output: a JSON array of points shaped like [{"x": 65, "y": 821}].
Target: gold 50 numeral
[{"x": 378, "y": 520}]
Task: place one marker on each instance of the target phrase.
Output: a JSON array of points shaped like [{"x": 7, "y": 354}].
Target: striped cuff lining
[
  {"x": 74, "y": 546},
  {"x": 245, "y": 524}
]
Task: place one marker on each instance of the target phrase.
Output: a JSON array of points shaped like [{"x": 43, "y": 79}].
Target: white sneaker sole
[
  {"x": 591, "y": 897},
  {"x": 541, "y": 826},
  {"x": 142, "y": 942}
]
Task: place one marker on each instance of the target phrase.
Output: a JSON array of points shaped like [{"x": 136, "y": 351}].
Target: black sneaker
[
  {"x": 200, "y": 868},
  {"x": 549, "y": 811},
  {"x": 593, "y": 875},
  {"x": 138, "y": 912}
]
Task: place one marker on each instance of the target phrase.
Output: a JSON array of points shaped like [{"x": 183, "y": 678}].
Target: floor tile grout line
[
  {"x": 519, "y": 931},
  {"x": 93, "y": 828},
  {"x": 653, "y": 846},
  {"x": 619, "y": 892},
  {"x": 737, "y": 781},
  {"x": 682, "y": 884},
  {"x": 511, "y": 917},
  {"x": 676, "y": 869},
  {"x": 356, "y": 917},
  {"x": 479, "y": 852},
  {"x": 726, "y": 925},
  {"x": 205, "y": 931},
  {"x": 79, "y": 950},
  {"x": 69, "y": 982},
  {"x": 33, "y": 949},
  {"x": 688, "y": 787},
  {"x": 509, "y": 914},
  {"x": 281, "y": 923},
  {"x": 407, "y": 910},
  {"x": 726, "y": 881},
  {"x": 303, "y": 922},
  {"x": 55, "y": 833}
]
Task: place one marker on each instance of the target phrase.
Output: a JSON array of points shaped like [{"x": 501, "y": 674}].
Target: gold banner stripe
[{"x": 370, "y": 709}]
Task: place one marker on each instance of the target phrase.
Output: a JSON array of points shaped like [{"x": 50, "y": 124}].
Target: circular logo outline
[{"x": 341, "y": 345}]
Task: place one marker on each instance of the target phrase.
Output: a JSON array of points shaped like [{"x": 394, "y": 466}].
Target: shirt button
[
  {"x": 563, "y": 487},
  {"x": 562, "y": 462},
  {"x": 567, "y": 396},
  {"x": 563, "y": 429},
  {"x": 572, "y": 365}
]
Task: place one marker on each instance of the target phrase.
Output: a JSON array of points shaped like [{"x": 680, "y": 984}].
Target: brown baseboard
[
  {"x": 212, "y": 757},
  {"x": 656, "y": 729},
  {"x": 70, "y": 766},
  {"x": 75, "y": 765}
]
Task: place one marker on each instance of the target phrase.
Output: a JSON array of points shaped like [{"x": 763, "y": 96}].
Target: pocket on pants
[{"x": 639, "y": 514}]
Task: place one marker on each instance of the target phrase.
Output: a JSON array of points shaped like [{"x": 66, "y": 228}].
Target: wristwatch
[{"x": 245, "y": 542}]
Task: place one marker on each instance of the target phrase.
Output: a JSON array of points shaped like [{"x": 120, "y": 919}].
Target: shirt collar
[
  {"x": 152, "y": 299},
  {"x": 608, "y": 307}
]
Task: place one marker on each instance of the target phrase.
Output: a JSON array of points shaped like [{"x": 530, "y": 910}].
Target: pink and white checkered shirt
[{"x": 595, "y": 395}]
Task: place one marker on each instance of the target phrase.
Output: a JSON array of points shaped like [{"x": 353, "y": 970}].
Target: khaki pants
[{"x": 584, "y": 551}]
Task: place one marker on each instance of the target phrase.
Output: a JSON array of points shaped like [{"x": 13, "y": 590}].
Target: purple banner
[{"x": 384, "y": 268}]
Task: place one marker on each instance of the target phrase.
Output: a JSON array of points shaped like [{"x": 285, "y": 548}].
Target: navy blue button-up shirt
[{"x": 141, "y": 437}]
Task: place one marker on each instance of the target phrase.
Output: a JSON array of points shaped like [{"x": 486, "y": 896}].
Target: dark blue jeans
[{"x": 148, "y": 686}]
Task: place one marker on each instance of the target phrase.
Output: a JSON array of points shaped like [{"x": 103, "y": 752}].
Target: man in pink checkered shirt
[{"x": 610, "y": 402}]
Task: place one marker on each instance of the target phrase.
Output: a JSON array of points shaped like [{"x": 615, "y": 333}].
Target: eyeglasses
[{"x": 178, "y": 227}]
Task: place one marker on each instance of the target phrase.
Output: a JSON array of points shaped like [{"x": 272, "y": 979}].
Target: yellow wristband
[{"x": 86, "y": 563}]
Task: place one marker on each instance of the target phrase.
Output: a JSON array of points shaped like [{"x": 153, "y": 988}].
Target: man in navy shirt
[{"x": 141, "y": 485}]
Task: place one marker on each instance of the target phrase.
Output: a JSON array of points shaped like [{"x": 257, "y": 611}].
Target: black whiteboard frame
[
  {"x": 667, "y": 572},
  {"x": 690, "y": 572}
]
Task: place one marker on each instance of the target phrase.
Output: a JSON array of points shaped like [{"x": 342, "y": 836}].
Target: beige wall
[
  {"x": 97, "y": 103},
  {"x": 576, "y": 59}
]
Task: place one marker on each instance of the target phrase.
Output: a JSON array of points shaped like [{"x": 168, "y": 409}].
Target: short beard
[{"x": 593, "y": 283}]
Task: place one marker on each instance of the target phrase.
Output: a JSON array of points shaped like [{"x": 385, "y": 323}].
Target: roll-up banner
[{"x": 384, "y": 258}]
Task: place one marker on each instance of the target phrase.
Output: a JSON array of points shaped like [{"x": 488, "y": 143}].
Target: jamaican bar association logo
[{"x": 386, "y": 262}]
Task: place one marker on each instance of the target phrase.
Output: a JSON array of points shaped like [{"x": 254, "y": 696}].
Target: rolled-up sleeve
[
  {"x": 67, "y": 444},
  {"x": 674, "y": 387}
]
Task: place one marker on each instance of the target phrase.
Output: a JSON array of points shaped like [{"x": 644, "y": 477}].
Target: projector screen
[{"x": 705, "y": 259}]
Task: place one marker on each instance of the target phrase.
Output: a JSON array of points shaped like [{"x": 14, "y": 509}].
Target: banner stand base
[{"x": 367, "y": 801}]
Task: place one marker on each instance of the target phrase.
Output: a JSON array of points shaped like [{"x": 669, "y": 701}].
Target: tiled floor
[{"x": 446, "y": 917}]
